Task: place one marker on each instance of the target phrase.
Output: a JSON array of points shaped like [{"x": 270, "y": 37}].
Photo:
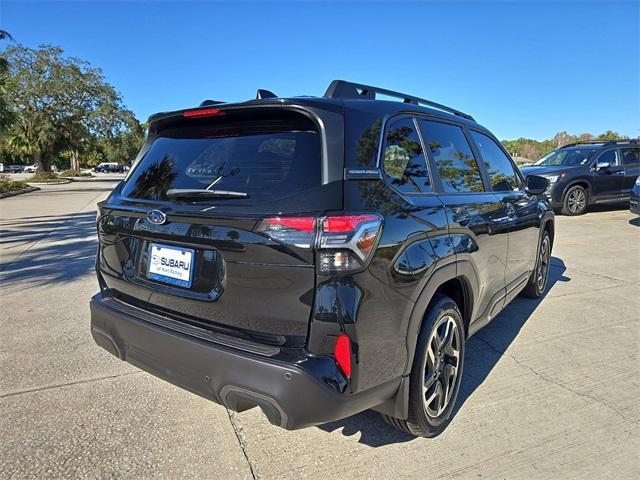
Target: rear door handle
[
  {"x": 461, "y": 216},
  {"x": 510, "y": 209}
]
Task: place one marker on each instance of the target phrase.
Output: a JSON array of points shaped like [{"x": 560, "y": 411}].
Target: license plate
[{"x": 172, "y": 265}]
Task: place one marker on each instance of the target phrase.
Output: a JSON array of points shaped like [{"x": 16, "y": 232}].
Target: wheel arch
[
  {"x": 458, "y": 290},
  {"x": 456, "y": 280},
  {"x": 548, "y": 224},
  {"x": 583, "y": 182}
]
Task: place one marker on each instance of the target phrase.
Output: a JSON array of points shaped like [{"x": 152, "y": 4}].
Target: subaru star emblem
[{"x": 156, "y": 217}]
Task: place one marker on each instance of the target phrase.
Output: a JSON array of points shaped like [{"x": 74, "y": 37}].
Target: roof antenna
[{"x": 265, "y": 94}]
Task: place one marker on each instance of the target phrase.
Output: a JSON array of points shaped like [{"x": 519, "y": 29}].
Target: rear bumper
[{"x": 289, "y": 396}]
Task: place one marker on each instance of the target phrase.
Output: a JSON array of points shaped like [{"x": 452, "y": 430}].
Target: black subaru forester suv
[{"x": 316, "y": 257}]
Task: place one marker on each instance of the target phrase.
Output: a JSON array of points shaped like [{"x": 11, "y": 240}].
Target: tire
[
  {"x": 439, "y": 350},
  {"x": 537, "y": 283},
  {"x": 575, "y": 201}
]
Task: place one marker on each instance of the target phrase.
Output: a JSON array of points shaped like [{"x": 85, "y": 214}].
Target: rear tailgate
[{"x": 230, "y": 277}]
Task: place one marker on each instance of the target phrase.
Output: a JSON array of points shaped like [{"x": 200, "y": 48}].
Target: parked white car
[{"x": 31, "y": 168}]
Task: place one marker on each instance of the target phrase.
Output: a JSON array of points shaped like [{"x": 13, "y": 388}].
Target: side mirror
[
  {"x": 536, "y": 185},
  {"x": 602, "y": 165}
]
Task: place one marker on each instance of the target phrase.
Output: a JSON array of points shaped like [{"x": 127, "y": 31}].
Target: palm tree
[
  {"x": 4, "y": 65},
  {"x": 18, "y": 143},
  {"x": 6, "y": 116}
]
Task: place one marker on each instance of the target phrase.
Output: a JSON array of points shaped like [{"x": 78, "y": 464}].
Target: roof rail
[
  {"x": 621, "y": 140},
  {"x": 344, "y": 89},
  {"x": 603, "y": 142}
]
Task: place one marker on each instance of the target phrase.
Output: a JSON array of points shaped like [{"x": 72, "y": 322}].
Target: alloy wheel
[
  {"x": 542, "y": 270},
  {"x": 577, "y": 200},
  {"x": 441, "y": 366}
]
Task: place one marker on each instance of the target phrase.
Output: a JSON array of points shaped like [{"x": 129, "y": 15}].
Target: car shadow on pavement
[
  {"x": 18, "y": 231},
  {"x": 50, "y": 249},
  {"x": 374, "y": 431},
  {"x": 489, "y": 345},
  {"x": 66, "y": 191},
  {"x": 484, "y": 351},
  {"x": 607, "y": 207}
]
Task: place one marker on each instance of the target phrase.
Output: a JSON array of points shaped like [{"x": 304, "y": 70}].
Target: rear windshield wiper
[{"x": 196, "y": 193}]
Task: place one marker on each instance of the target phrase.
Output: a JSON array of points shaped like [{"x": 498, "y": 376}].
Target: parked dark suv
[
  {"x": 584, "y": 173},
  {"x": 110, "y": 167},
  {"x": 317, "y": 257}
]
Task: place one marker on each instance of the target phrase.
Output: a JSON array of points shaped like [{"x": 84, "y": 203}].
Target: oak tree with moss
[{"x": 61, "y": 104}]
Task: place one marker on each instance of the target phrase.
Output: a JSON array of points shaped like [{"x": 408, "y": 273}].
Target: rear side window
[
  {"x": 275, "y": 161},
  {"x": 630, "y": 156},
  {"x": 500, "y": 169},
  {"x": 457, "y": 168},
  {"x": 404, "y": 164}
]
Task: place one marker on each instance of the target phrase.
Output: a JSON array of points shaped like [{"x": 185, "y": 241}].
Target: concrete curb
[
  {"x": 13, "y": 193},
  {"x": 61, "y": 182}
]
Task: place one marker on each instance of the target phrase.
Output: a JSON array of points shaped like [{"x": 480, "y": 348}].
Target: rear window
[
  {"x": 275, "y": 161},
  {"x": 631, "y": 156},
  {"x": 448, "y": 146},
  {"x": 404, "y": 163}
]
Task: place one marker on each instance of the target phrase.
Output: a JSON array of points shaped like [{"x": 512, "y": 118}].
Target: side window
[
  {"x": 631, "y": 156},
  {"x": 500, "y": 169},
  {"x": 404, "y": 163},
  {"x": 611, "y": 157},
  {"x": 458, "y": 170}
]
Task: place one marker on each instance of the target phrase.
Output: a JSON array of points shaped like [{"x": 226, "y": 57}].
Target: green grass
[
  {"x": 46, "y": 177},
  {"x": 11, "y": 186}
]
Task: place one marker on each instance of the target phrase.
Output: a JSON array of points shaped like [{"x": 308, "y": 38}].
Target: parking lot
[
  {"x": 550, "y": 388},
  {"x": 97, "y": 175}
]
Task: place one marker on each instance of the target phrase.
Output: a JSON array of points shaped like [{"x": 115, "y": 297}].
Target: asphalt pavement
[{"x": 550, "y": 388}]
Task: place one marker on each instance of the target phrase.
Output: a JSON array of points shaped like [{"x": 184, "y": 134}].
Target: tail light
[
  {"x": 344, "y": 243},
  {"x": 298, "y": 231},
  {"x": 342, "y": 354}
]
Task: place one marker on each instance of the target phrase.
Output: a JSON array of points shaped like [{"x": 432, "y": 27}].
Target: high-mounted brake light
[
  {"x": 342, "y": 354},
  {"x": 344, "y": 242},
  {"x": 203, "y": 112}
]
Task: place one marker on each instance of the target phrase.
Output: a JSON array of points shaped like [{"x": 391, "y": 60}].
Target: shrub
[
  {"x": 44, "y": 177},
  {"x": 11, "y": 186},
  {"x": 74, "y": 173}
]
